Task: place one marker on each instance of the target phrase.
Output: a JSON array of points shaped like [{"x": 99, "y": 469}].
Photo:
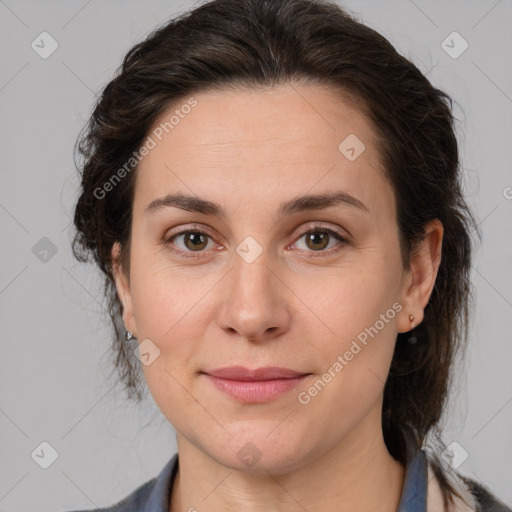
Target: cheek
[
  {"x": 163, "y": 306},
  {"x": 167, "y": 296},
  {"x": 358, "y": 312},
  {"x": 350, "y": 299}
]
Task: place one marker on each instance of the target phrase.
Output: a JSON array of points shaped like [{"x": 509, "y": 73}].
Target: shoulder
[
  {"x": 131, "y": 503},
  {"x": 475, "y": 496},
  {"x": 486, "y": 501},
  {"x": 152, "y": 496}
]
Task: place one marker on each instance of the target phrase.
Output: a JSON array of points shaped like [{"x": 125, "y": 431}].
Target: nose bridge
[
  {"x": 251, "y": 279},
  {"x": 253, "y": 303}
]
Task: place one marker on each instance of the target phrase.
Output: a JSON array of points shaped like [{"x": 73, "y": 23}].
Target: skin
[{"x": 249, "y": 151}]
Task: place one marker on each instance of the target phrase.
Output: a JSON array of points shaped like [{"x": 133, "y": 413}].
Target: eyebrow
[{"x": 295, "y": 205}]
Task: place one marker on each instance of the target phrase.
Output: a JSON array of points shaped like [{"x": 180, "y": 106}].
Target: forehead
[{"x": 259, "y": 144}]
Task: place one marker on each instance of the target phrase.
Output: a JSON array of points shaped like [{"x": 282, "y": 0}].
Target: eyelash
[{"x": 310, "y": 229}]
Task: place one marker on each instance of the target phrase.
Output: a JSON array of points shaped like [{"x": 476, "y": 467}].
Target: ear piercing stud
[{"x": 412, "y": 338}]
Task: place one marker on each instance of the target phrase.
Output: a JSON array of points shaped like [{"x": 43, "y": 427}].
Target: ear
[
  {"x": 123, "y": 290},
  {"x": 420, "y": 278}
]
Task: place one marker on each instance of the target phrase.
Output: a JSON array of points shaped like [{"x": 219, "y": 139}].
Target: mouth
[{"x": 255, "y": 386}]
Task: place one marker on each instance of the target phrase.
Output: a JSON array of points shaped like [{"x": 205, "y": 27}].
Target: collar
[
  {"x": 160, "y": 495},
  {"x": 414, "y": 492}
]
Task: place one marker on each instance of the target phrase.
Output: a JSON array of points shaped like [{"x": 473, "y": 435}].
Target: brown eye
[
  {"x": 318, "y": 239},
  {"x": 191, "y": 241},
  {"x": 194, "y": 240}
]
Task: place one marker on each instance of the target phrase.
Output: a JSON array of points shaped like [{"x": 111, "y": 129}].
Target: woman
[{"x": 273, "y": 194}]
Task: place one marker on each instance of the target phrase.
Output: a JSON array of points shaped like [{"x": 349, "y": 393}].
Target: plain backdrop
[{"x": 55, "y": 383}]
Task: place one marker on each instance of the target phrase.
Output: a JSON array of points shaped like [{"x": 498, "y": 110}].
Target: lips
[
  {"x": 254, "y": 386},
  {"x": 241, "y": 373}
]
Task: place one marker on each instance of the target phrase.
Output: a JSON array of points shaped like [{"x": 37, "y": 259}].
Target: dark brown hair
[{"x": 263, "y": 43}]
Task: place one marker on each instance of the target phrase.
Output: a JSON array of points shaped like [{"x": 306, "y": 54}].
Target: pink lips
[{"x": 254, "y": 386}]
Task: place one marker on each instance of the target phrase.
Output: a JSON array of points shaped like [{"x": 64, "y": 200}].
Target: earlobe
[
  {"x": 123, "y": 289},
  {"x": 421, "y": 276}
]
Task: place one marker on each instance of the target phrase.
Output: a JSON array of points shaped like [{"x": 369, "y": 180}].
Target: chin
[{"x": 262, "y": 453}]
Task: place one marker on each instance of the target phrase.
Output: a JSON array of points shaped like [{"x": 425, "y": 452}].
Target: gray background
[{"x": 54, "y": 369}]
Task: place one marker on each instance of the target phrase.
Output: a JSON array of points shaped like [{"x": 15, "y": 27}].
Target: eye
[
  {"x": 192, "y": 240},
  {"x": 317, "y": 238}
]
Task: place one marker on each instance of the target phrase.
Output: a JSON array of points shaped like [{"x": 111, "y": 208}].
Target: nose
[{"x": 254, "y": 304}]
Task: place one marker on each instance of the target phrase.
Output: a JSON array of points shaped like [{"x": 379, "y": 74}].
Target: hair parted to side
[{"x": 239, "y": 44}]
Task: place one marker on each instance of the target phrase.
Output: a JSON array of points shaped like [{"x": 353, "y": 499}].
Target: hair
[{"x": 227, "y": 45}]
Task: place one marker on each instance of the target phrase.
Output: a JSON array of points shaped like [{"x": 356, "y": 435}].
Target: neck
[{"x": 357, "y": 474}]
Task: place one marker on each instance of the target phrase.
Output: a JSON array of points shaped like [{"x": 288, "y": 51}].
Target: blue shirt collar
[{"x": 414, "y": 492}]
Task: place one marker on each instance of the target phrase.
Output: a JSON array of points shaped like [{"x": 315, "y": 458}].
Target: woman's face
[{"x": 253, "y": 289}]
